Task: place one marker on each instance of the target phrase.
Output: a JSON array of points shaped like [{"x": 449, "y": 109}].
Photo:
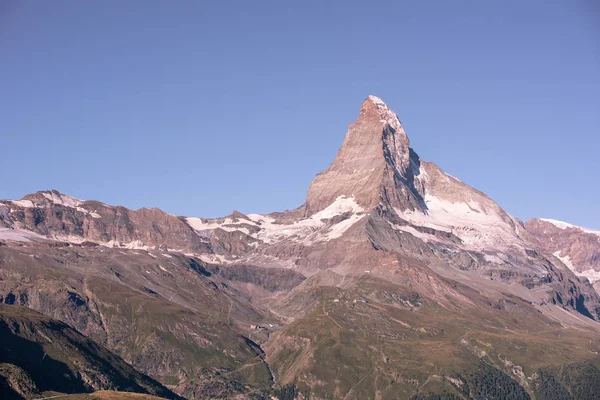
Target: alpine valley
[{"x": 394, "y": 280}]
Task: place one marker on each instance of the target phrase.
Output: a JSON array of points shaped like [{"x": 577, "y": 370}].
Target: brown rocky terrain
[
  {"x": 165, "y": 314},
  {"x": 57, "y": 216},
  {"x": 577, "y": 247}
]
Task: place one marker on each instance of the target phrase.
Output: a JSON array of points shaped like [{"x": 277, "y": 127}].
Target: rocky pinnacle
[{"x": 374, "y": 165}]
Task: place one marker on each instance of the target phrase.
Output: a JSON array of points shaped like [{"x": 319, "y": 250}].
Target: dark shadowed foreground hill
[{"x": 39, "y": 354}]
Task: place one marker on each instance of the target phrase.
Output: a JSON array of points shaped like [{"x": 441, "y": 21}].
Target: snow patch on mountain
[
  {"x": 59, "y": 198},
  {"x": 313, "y": 229},
  {"x": 476, "y": 225},
  {"x": 426, "y": 237},
  {"x": 494, "y": 258},
  {"x": 565, "y": 260},
  {"x": 211, "y": 258},
  {"x": 388, "y": 116},
  {"x": 23, "y": 203},
  {"x": 316, "y": 228},
  {"x": 453, "y": 177},
  {"x": 592, "y": 275},
  {"x": 340, "y": 206},
  {"x": 20, "y": 235},
  {"x": 229, "y": 224},
  {"x": 133, "y": 245},
  {"x": 566, "y": 225}
]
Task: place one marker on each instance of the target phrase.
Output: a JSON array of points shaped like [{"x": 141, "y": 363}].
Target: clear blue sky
[{"x": 201, "y": 107}]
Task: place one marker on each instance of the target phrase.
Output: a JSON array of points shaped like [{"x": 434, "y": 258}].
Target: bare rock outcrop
[
  {"x": 577, "y": 247},
  {"x": 61, "y": 217}
]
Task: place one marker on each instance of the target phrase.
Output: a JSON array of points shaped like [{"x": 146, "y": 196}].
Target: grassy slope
[
  {"x": 58, "y": 358},
  {"x": 383, "y": 347},
  {"x": 121, "y": 299}
]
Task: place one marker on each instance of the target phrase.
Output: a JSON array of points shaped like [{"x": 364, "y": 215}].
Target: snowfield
[
  {"x": 592, "y": 275},
  {"x": 306, "y": 231},
  {"x": 565, "y": 225},
  {"x": 475, "y": 225},
  {"x": 20, "y": 235}
]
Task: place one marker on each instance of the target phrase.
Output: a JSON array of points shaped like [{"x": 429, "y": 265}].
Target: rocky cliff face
[
  {"x": 375, "y": 164},
  {"x": 61, "y": 217},
  {"x": 577, "y": 247}
]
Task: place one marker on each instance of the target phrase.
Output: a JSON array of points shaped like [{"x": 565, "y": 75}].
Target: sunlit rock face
[{"x": 578, "y": 248}]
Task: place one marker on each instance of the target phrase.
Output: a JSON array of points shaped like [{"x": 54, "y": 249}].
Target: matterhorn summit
[{"x": 373, "y": 164}]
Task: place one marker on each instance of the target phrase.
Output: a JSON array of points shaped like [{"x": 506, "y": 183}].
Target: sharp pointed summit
[{"x": 372, "y": 166}]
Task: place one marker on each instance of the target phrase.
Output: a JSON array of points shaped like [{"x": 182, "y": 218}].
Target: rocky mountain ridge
[
  {"x": 64, "y": 218},
  {"x": 577, "y": 247}
]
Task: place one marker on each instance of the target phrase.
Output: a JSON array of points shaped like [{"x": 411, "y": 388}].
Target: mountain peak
[
  {"x": 53, "y": 196},
  {"x": 565, "y": 225},
  {"x": 375, "y": 155},
  {"x": 376, "y": 102},
  {"x": 374, "y": 107}
]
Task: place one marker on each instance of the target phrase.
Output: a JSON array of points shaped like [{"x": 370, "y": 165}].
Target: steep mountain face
[
  {"x": 39, "y": 354},
  {"x": 61, "y": 217},
  {"x": 578, "y": 248},
  {"x": 374, "y": 164},
  {"x": 392, "y": 280},
  {"x": 377, "y": 169}
]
